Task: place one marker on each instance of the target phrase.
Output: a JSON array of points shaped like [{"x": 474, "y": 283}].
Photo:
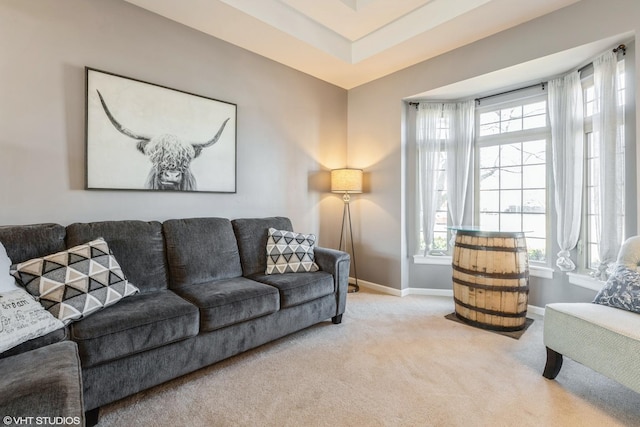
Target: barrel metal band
[
  {"x": 490, "y": 248},
  {"x": 489, "y": 327},
  {"x": 523, "y": 275},
  {"x": 492, "y": 287},
  {"x": 490, "y": 312}
]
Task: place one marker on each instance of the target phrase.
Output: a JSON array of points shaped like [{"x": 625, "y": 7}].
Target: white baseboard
[
  {"x": 535, "y": 310},
  {"x": 378, "y": 288},
  {"x": 423, "y": 291}
]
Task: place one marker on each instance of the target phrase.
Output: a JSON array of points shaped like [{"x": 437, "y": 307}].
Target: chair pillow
[
  {"x": 77, "y": 282},
  {"x": 23, "y": 319},
  {"x": 622, "y": 290},
  {"x": 289, "y": 252}
]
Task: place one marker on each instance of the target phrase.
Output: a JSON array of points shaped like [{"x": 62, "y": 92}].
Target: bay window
[{"x": 513, "y": 179}]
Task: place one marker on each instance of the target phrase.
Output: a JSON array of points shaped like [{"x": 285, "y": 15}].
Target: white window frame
[{"x": 542, "y": 133}]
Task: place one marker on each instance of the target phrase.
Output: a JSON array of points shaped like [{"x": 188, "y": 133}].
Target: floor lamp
[{"x": 347, "y": 181}]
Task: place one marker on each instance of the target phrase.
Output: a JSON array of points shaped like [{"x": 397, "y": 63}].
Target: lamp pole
[
  {"x": 347, "y": 181},
  {"x": 346, "y": 216}
]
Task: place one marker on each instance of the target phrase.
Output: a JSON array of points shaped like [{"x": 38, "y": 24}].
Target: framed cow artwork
[{"x": 143, "y": 136}]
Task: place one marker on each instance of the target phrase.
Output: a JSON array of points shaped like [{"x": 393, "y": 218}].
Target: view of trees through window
[
  {"x": 511, "y": 178},
  {"x": 512, "y": 194}
]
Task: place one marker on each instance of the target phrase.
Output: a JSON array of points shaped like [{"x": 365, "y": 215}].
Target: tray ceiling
[{"x": 350, "y": 42}]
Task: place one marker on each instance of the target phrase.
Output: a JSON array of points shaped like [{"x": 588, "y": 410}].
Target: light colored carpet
[{"x": 392, "y": 362}]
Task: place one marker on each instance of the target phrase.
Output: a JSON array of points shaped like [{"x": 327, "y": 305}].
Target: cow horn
[
  {"x": 200, "y": 147},
  {"x": 142, "y": 139}
]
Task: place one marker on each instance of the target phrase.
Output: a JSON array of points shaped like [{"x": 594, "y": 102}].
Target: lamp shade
[{"x": 346, "y": 181}]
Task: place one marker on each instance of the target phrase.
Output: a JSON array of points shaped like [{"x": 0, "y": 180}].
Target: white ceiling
[{"x": 350, "y": 42}]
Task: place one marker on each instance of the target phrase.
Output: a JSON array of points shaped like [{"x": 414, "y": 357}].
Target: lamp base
[{"x": 353, "y": 288}]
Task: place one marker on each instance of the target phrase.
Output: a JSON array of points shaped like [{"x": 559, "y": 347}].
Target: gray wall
[
  {"x": 291, "y": 127},
  {"x": 378, "y": 144}
]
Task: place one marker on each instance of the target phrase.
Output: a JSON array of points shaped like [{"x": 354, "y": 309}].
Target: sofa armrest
[
  {"x": 337, "y": 263},
  {"x": 45, "y": 382},
  {"x": 58, "y": 335}
]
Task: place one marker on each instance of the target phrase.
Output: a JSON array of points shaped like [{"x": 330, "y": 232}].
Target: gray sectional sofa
[{"x": 204, "y": 297}]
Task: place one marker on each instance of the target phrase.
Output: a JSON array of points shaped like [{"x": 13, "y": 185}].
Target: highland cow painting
[{"x": 142, "y": 136}]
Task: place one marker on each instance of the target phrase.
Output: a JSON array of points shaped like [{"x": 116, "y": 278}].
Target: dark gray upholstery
[
  {"x": 200, "y": 250},
  {"x": 45, "y": 382},
  {"x": 298, "y": 288},
  {"x": 24, "y": 242},
  {"x": 226, "y": 302},
  {"x": 50, "y": 338},
  {"x": 135, "y": 324},
  {"x": 213, "y": 310},
  {"x": 251, "y": 234},
  {"x": 336, "y": 263},
  {"x": 138, "y": 246},
  {"x": 111, "y": 381}
]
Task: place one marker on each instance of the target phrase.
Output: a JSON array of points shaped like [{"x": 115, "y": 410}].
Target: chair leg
[
  {"x": 337, "y": 319},
  {"x": 91, "y": 417},
  {"x": 554, "y": 363}
]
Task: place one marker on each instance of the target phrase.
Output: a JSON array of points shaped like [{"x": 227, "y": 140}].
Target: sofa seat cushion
[
  {"x": 137, "y": 323},
  {"x": 298, "y": 288},
  {"x": 230, "y": 301}
]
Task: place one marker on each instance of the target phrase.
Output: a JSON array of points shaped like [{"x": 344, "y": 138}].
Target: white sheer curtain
[
  {"x": 567, "y": 141},
  {"x": 430, "y": 144},
  {"x": 608, "y": 123},
  {"x": 444, "y": 128},
  {"x": 460, "y": 157}
]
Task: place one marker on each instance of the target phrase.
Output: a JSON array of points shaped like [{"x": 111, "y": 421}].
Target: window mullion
[{"x": 504, "y": 203}]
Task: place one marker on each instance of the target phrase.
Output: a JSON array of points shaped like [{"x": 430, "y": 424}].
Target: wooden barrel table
[{"x": 491, "y": 279}]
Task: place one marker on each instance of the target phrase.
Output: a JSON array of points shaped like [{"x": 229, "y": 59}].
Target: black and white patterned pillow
[
  {"x": 289, "y": 252},
  {"x": 77, "y": 282},
  {"x": 622, "y": 290}
]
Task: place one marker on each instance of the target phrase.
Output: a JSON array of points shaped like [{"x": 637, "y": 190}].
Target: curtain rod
[
  {"x": 621, "y": 47},
  {"x": 543, "y": 84}
]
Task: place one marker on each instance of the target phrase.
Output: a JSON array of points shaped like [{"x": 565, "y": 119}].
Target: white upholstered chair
[{"x": 603, "y": 338}]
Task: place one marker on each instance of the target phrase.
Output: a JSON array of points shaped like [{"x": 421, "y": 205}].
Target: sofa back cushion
[
  {"x": 252, "y": 234},
  {"x": 137, "y": 245},
  {"x": 24, "y": 242},
  {"x": 200, "y": 250}
]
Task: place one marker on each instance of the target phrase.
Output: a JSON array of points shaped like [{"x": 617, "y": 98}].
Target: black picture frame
[{"x": 144, "y": 136}]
